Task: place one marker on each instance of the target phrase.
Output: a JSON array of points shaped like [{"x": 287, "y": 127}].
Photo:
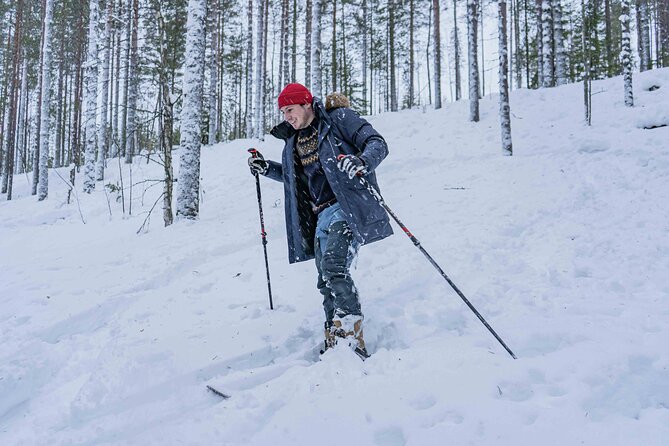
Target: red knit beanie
[{"x": 295, "y": 94}]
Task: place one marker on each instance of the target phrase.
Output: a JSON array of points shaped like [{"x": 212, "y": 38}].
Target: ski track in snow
[{"x": 110, "y": 337}]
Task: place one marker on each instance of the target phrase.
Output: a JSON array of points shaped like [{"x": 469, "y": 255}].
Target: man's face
[{"x": 299, "y": 116}]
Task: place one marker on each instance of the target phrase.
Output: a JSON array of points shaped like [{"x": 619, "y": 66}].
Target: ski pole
[
  {"x": 254, "y": 153},
  {"x": 415, "y": 241}
]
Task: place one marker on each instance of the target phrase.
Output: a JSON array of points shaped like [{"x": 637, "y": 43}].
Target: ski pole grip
[
  {"x": 254, "y": 153},
  {"x": 340, "y": 156}
]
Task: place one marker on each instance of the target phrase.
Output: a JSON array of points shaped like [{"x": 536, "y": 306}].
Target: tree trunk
[
  {"x": 472, "y": 23},
  {"x": 103, "y": 82},
  {"x": 133, "y": 88},
  {"x": 412, "y": 61},
  {"x": 504, "y": 108},
  {"x": 166, "y": 125},
  {"x": 626, "y": 53},
  {"x": 307, "y": 43},
  {"x": 437, "y": 53},
  {"x": 188, "y": 198},
  {"x": 547, "y": 43},
  {"x": 560, "y": 51},
  {"x": 248, "y": 112},
  {"x": 91, "y": 96},
  {"x": 213, "y": 73},
  {"x": 316, "y": 50},
  {"x": 392, "y": 65},
  {"x": 260, "y": 74},
  {"x": 456, "y": 49}
]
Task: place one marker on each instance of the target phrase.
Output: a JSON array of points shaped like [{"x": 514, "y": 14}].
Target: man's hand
[
  {"x": 257, "y": 163},
  {"x": 351, "y": 165}
]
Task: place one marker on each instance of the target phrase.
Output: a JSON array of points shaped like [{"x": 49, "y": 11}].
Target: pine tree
[
  {"x": 437, "y": 54},
  {"x": 188, "y": 199}
]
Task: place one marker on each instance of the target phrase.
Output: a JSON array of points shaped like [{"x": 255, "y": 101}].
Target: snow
[{"x": 110, "y": 337}]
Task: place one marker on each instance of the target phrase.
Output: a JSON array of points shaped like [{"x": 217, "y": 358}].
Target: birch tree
[
  {"x": 547, "y": 43},
  {"x": 259, "y": 121},
  {"x": 472, "y": 41},
  {"x": 504, "y": 107},
  {"x": 560, "y": 50},
  {"x": 91, "y": 97},
  {"x": 626, "y": 53},
  {"x": 43, "y": 189},
  {"x": 188, "y": 200}
]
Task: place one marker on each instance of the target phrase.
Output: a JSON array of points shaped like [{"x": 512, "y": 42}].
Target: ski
[{"x": 218, "y": 392}]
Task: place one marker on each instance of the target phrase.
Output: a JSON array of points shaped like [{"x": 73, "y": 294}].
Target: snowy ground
[{"x": 109, "y": 337}]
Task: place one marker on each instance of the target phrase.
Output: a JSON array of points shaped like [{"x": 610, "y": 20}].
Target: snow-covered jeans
[{"x": 336, "y": 248}]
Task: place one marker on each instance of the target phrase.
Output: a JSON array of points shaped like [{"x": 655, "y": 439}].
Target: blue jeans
[{"x": 335, "y": 249}]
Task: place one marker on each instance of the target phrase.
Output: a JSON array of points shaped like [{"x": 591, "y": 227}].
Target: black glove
[
  {"x": 351, "y": 165},
  {"x": 257, "y": 164}
]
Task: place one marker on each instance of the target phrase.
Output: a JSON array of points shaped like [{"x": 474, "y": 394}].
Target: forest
[{"x": 83, "y": 83}]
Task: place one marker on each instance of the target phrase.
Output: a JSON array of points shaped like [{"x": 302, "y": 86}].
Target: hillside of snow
[{"x": 109, "y": 336}]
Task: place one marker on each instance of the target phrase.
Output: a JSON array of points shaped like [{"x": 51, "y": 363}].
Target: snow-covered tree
[
  {"x": 626, "y": 52},
  {"x": 91, "y": 97},
  {"x": 504, "y": 107},
  {"x": 188, "y": 196},
  {"x": 472, "y": 41},
  {"x": 643, "y": 21},
  {"x": 316, "y": 49},
  {"x": 43, "y": 189},
  {"x": 437, "y": 54},
  {"x": 103, "y": 95},
  {"x": 547, "y": 43},
  {"x": 259, "y": 89},
  {"x": 560, "y": 50},
  {"x": 133, "y": 84}
]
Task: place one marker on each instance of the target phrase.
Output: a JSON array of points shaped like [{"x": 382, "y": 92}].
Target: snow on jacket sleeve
[{"x": 362, "y": 135}]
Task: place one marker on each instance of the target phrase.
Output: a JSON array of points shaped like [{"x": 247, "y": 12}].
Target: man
[{"x": 329, "y": 213}]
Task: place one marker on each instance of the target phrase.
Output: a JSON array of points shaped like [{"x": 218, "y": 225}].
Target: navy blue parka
[{"x": 340, "y": 131}]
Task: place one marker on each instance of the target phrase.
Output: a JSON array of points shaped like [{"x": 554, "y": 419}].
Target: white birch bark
[
  {"x": 103, "y": 82},
  {"x": 249, "y": 71},
  {"x": 43, "y": 187},
  {"x": 504, "y": 107},
  {"x": 316, "y": 50},
  {"x": 560, "y": 50},
  {"x": 626, "y": 52},
  {"x": 90, "y": 98},
  {"x": 188, "y": 197},
  {"x": 259, "y": 121},
  {"x": 547, "y": 43},
  {"x": 472, "y": 41}
]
